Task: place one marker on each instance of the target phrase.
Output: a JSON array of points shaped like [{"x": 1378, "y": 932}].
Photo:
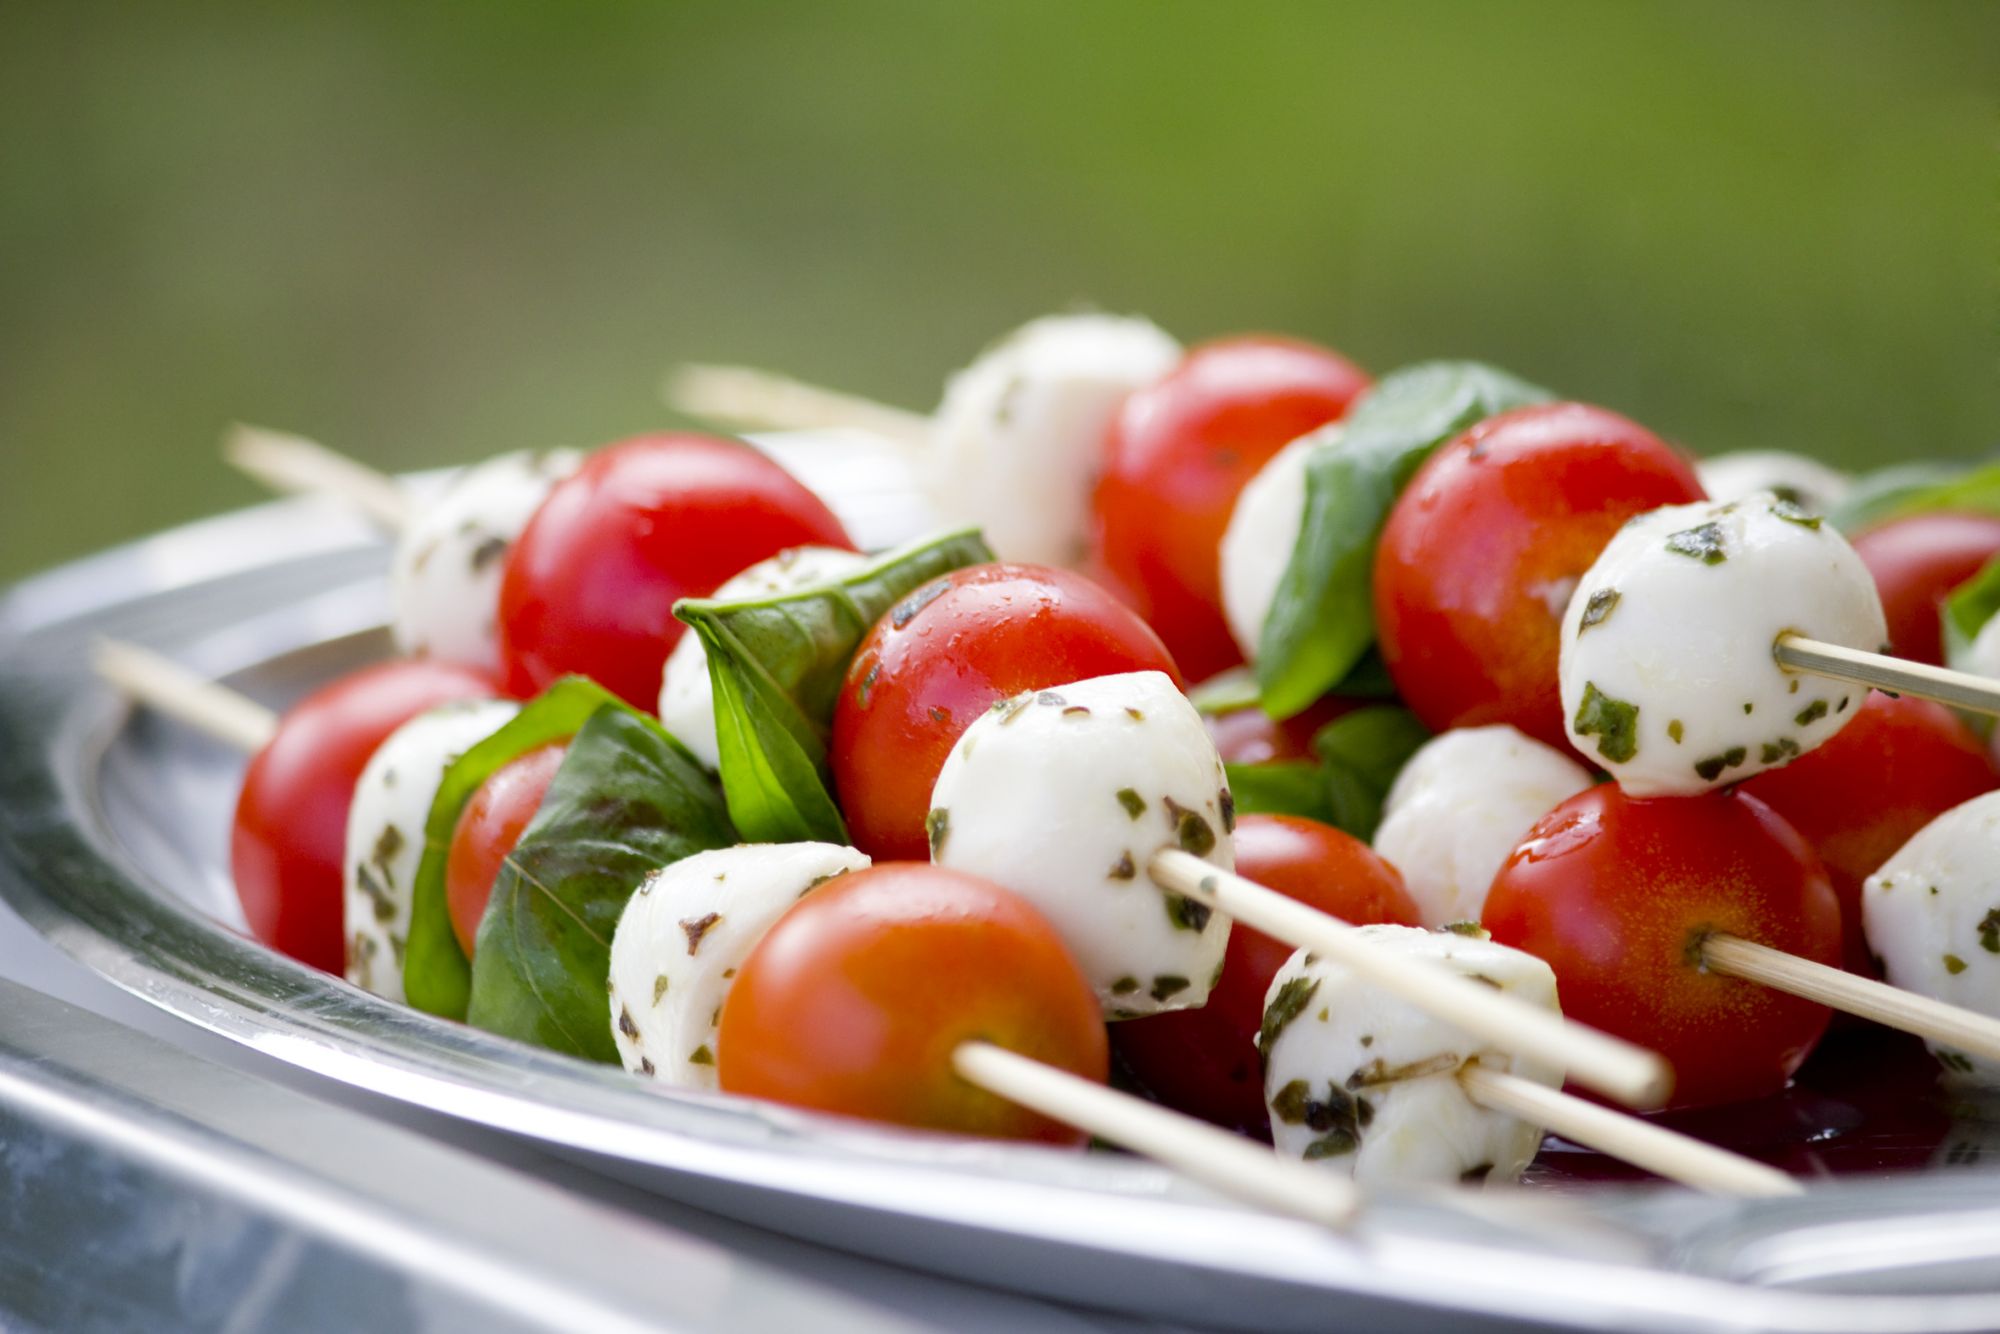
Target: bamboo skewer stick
[
  {"x": 1612, "y": 1066},
  {"x": 745, "y": 398},
  {"x": 1664, "y": 1152},
  {"x": 1961, "y": 690},
  {"x": 294, "y": 465},
  {"x": 165, "y": 686}
]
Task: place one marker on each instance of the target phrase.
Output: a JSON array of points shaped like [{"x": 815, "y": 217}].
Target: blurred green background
[{"x": 425, "y": 235}]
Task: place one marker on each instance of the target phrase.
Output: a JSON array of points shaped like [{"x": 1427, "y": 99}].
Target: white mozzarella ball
[
  {"x": 1806, "y": 482},
  {"x": 1932, "y": 915},
  {"x": 1263, "y": 530},
  {"x": 1064, "y": 795},
  {"x": 682, "y": 937},
  {"x": 1667, "y": 670},
  {"x": 1982, "y": 657},
  {"x": 445, "y": 578},
  {"x": 1015, "y": 443},
  {"x": 1461, "y": 806},
  {"x": 385, "y": 832},
  {"x": 1367, "y": 1085},
  {"x": 687, "y": 700}
]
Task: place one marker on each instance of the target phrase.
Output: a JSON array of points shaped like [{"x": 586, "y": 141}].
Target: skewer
[
  {"x": 742, "y": 397},
  {"x": 294, "y": 465},
  {"x": 1218, "y": 1159},
  {"x": 1960, "y": 690},
  {"x": 1612, "y": 1066},
  {"x": 165, "y": 686},
  {"x": 1664, "y": 1152}
]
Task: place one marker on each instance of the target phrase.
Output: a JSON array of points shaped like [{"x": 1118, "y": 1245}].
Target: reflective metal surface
[{"x": 112, "y": 832}]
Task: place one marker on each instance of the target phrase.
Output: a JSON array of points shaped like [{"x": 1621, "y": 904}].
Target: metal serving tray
[{"x": 113, "y": 833}]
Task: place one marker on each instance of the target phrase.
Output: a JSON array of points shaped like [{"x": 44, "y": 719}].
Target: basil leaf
[
  {"x": 1323, "y": 617},
  {"x": 436, "y": 976},
  {"x": 627, "y": 801},
  {"x": 1363, "y": 752},
  {"x": 1226, "y": 692},
  {"x": 1971, "y": 605},
  {"x": 1916, "y": 488},
  {"x": 776, "y": 665},
  {"x": 1280, "y": 787}
]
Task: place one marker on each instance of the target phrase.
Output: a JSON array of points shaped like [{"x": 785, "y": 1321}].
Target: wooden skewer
[
  {"x": 1225, "y": 1162},
  {"x": 744, "y": 398},
  {"x": 294, "y": 465},
  {"x": 1612, "y": 1066},
  {"x": 1664, "y": 1152},
  {"x": 1948, "y": 1025},
  {"x": 1961, "y": 690},
  {"x": 164, "y": 685}
]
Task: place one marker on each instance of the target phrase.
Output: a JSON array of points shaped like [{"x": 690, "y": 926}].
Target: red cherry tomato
[
  {"x": 1176, "y": 456},
  {"x": 1616, "y": 894},
  {"x": 1486, "y": 544},
  {"x": 945, "y": 655},
  {"x": 1204, "y": 1061},
  {"x": 1252, "y": 736},
  {"x": 290, "y": 836},
  {"x": 1897, "y": 766},
  {"x": 855, "y": 1000},
  {"x": 488, "y": 828},
  {"x": 591, "y": 584},
  {"x": 1917, "y": 562}
]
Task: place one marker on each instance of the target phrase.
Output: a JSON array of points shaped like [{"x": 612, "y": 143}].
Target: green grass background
[{"x": 427, "y": 234}]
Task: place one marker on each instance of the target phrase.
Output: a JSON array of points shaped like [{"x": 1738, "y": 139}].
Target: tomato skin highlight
[
  {"x": 856, "y": 998},
  {"x": 1615, "y": 892},
  {"x": 1917, "y": 562},
  {"x": 1175, "y": 458},
  {"x": 590, "y": 586},
  {"x": 488, "y": 828},
  {"x": 1204, "y": 1061},
  {"x": 289, "y": 837},
  {"x": 1898, "y": 765},
  {"x": 945, "y": 655},
  {"x": 1485, "y": 545}
]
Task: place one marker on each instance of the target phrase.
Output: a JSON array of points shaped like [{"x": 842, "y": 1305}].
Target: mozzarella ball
[
  {"x": 1365, "y": 1084},
  {"x": 1667, "y": 670},
  {"x": 684, "y": 934},
  {"x": 1263, "y": 531},
  {"x": 1982, "y": 656},
  {"x": 1932, "y": 915},
  {"x": 1016, "y": 441},
  {"x": 1064, "y": 795},
  {"x": 1806, "y": 482},
  {"x": 1461, "y": 806},
  {"x": 385, "y": 832},
  {"x": 445, "y": 579},
  {"x": 687, "y": 700}
]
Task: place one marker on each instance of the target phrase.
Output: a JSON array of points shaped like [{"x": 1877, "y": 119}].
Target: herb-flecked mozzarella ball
[
  {"x": 1064, "y": 795},
  {"x": 684, "y": 934},
  {"x": 1461, "y": 806},
  {"x": 445, "y": 579},
  {"x": 1932, "y": 915},
  {"x": 1806, "y": 482},
  {"x": 1015, "y": 443},
  {"x": 1366, "y": 1084},
  {"x": 687, "y": 698},
  {"x": 1263, "y": 529},
  {"x": 1668, "y": 674},
  {"x": 385, "y": 832}
]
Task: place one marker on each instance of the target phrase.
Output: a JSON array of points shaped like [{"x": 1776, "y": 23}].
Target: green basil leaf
[
  {"x": 1280, "y": 787},
  {"x": 1363, "y": 752},
  {"x": 436, "y": 975},
  {"x": 1225, "y": 692},
  {"x": 1971, "y": 605},
  {"x": 1323, "y": 617},
  {"x": 1916, "y": 488},
  {"x": 776, "y": 665},
  {"x": 627, "y": 800}
]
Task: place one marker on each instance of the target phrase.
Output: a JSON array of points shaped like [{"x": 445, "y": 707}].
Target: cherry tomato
[
  {"x": 1917, "y": 562},
  {"x": 1204, "y": 1061},
  {"x": 488, "y": 828},
  {"x": 1616, "y": 894},
  {"x": 1897, "y": 766},
  {"x": 1482, "y": 551},
  {"x": 855, "y": 1000},
  {"x": 1252, "y": 736},
  {"x": 946, "y": 654},
  {"x": 1176, "y": 456},
  {"x": 590, "y": 585},
  {"x": 290, "y": 835}
]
